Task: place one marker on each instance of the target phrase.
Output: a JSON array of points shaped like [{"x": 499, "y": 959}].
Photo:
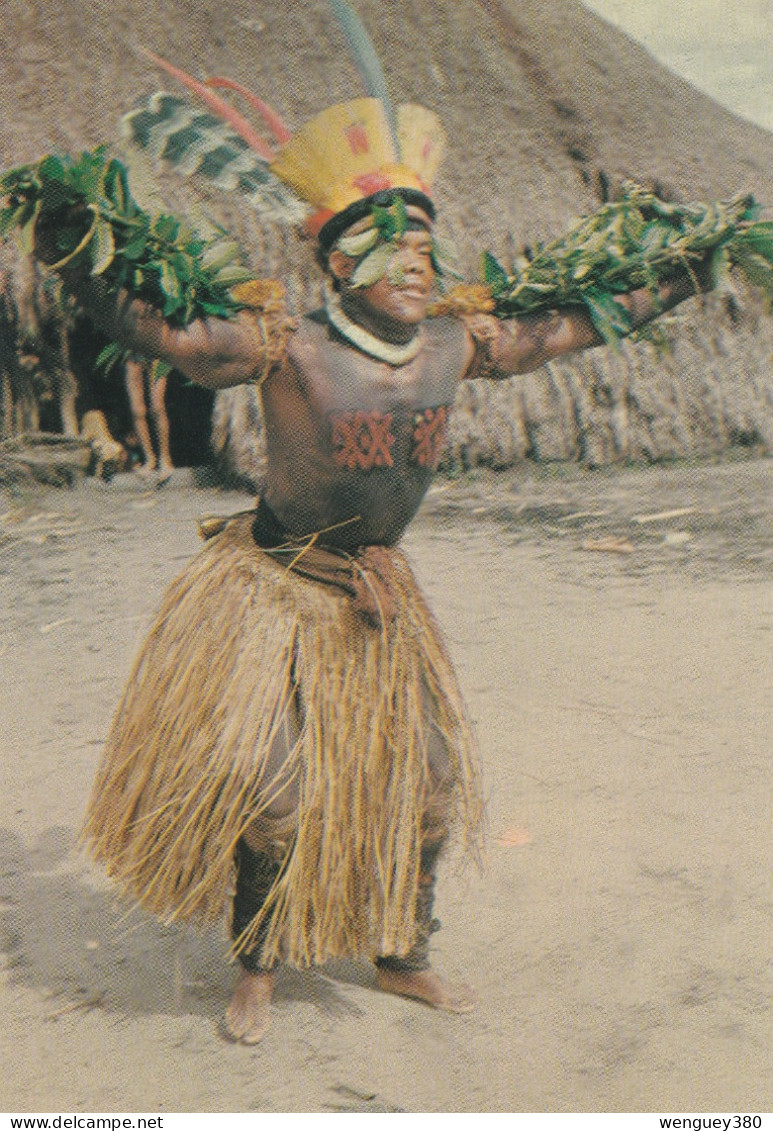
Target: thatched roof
[{"x": 544, "y": 103}]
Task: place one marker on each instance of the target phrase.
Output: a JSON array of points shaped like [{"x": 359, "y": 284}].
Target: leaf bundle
[
  {"x": 637, "y": 242},
  {"x": 79, "y": 212}
]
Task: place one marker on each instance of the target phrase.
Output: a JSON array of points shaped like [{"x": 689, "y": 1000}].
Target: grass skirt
[{"x": 183, "y": 772}]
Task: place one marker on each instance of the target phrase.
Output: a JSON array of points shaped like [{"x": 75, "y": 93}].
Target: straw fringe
[{"x": 184, "y": 770}]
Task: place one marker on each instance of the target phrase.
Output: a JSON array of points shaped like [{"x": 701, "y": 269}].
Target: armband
[{"x": 265, "y": 301}]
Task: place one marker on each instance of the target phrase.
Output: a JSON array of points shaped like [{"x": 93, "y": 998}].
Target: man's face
[
  {"x": 403, "y": 292},
  {"x": 401, "y": 295}
]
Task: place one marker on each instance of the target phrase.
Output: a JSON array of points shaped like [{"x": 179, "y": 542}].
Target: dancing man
[{"x": 292, "y": 735}]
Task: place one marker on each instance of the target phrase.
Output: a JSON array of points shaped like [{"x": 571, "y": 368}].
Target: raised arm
[
  {"x": 527, "y": 341},
  {"x": 213, "y": 352},
  {"x": 150, "y": 283}
]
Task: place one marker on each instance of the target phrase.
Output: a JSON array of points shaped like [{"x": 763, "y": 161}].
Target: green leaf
[
  {"x": 608, "y": 316},
  {"x": 53, "y": 181},
  {"x": 374, "y": 266},
  {"x": 166, "y": 228},
  {"x": 189, "y": 241},
  {"x": 14, "y": 179},
  {"x": 230, "y": 276},
  {"x": 170, "y": 284},
  {"x": 109, "y": 356},
  {"x": 114, "y": 186},
  {"x": 159, "y": 369},
  {"x": 655, "y": 236},
  {"x": 219, "y": 254},
  {"x": 171, "y": 307},
  {"x": 183, "y": 267},
  {"x": 87, "y": 172},
  {"x": 758, "y": 238},
  {"x": 355, "y": 246},
  {"x": 51, "y": 169},
  {"x": 135, "y": 248},
  {"x": 751, "y": 209},
  {"x": 121, "y": 194},
  {"x": 214, "y": 309},
  {"x": 400, "y": 214},
  {"x": 758, "y": 270},
  {"x": 391, "y": 222},
  {"x": 54, "y": 195},
  {"x": 384, "y": 221},
  {"x": 494, "y": 275},
  {"x": 102, "y": 246}
]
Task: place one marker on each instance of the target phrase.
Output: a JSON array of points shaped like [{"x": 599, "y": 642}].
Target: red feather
[
  {"x": 219, "y": 106},
  {"x": 269, "y": 115}
]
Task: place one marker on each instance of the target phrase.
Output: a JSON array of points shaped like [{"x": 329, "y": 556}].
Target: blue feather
[{"x": 361, "y": 47}]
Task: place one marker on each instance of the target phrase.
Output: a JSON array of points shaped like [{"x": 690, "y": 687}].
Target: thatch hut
[{"x": 546, "y": 106}]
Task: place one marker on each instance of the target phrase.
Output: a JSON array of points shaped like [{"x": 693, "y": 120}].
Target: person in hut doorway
[{"x": 147, "y": 397}]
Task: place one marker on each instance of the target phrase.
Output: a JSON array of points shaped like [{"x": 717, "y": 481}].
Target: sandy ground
[{"x": 619, "y": 937}]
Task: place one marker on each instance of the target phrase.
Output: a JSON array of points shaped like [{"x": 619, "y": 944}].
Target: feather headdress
[{"x": 325, "y": 172}]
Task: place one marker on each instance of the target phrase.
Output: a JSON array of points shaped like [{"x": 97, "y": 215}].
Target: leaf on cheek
[
  {"x": 374, "y": 266},
  {"x": 355, "y": 246}
]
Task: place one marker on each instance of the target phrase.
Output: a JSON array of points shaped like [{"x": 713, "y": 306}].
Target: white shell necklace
[{"x": 389, "y": 352}]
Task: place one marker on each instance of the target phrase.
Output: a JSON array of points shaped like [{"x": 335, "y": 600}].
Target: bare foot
[
  {"x": 146, "y": 469},
  {"x": 429, "y": 987},
  {"x": 248, "y": 1016}
]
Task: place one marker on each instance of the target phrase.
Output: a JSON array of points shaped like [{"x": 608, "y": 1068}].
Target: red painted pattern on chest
[
  {"x": 362, "y": 440},
  {"x": 429, "y": 436}
]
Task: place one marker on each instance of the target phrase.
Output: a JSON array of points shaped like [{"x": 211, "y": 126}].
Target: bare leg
[
  {"x": 411, "y": 975},
  {"x": 67, "y": 385},
  {"x": 67, "y": 395},
  {"x": 247, "y": 1017},
  {"x": 135, "y": 388},
  {"x": 161, "y": 423},
  {"x": 259, "y": 854}
]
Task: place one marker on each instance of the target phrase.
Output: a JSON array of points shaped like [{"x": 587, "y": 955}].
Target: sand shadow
[{"x": 65, "y": 934}]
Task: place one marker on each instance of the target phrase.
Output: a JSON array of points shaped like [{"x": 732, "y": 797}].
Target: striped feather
[
  {"x": 194, "y": 142},
  {"x": 221, "y": 108}
]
